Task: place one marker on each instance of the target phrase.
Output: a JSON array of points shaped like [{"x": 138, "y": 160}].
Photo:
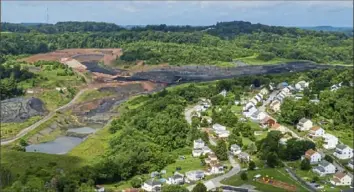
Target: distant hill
[{"x": 347, "y": 30}]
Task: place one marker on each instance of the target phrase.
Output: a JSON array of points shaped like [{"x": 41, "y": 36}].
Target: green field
[
  {"x": 252, "y": 60},
  {"x": 11, "y": 129},
  {"x": 278, "y": 174},
  {"x": 188, "y": 164}
]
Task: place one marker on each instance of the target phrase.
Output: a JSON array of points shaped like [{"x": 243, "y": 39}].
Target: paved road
[{"x": 23, "y": 132}]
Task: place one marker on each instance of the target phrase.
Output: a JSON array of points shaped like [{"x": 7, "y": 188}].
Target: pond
[
  {"x": 82, "y": 130},
  {"x": 60, "y": 145}
]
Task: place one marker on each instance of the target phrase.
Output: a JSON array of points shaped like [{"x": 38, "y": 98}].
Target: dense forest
[{"x": 222, "y": 42}]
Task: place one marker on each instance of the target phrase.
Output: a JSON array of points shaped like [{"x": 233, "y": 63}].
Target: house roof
[
  {"x": 310, "y": 152},
  {"x": 324, "y": 163},
  {"x": 177, "y": 176},
  {"x": 341, "y": 146},
  {"x": 235, "y": 146},
  {"x": 243, "y": 155},
  {"x": 315, "y": 128},
  {"x": 153, "y": 182},
  {"x": 320, "y": 169},
  {"x": 276, "y": 125},
  {"x": 339, "y": 175},
  {"x": 303, "y": 120}
]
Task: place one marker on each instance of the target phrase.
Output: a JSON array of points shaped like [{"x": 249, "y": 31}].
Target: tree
[
  {"x": 251, "y": 165},
  {"x": 272, "y": 159},
  {"x": 328, "y": 158},
  {"x": 200, "y": 187},
  {"x": 174, "y": 188},
  {"x": 23, "y": 142},
  {"x": 221, "y": 150},
  {"x": 252, "y": 148},
  {"x": 244, "y": 176},
  {"x": 315, "y": 179},
  {"x": 305, "y": 164},
  {"x": 136, "y": 182}
]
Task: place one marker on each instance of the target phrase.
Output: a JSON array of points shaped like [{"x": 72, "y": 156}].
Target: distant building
[
  {"x": 152, "y": 185},
  {"x": 324, "y": 168},
  {"x": 235, "y": 149},
  {"x": 244, "y": 157},
  {"x": 316, "y": 131},
  {"x": 176, "y": 179},
  {"x": 195, "y": 175},
  {"x": 304, "y": 124}
]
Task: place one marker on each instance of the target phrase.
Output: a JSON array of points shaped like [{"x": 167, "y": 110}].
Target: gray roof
[
  {"x": 177, "y": 176},
  {"x": 255, "y": 114},
  {"x": 324, "y": 163},
  {"x": 341, "y": 146},
  {"x": 303, "y": 120},
  {"x": 319, "y": 168},
  {"x": 153, "y": 182}
]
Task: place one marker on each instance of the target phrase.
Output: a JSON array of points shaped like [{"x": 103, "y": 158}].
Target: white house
[
  {"x": 285, "y": 90},
  {"x": 343, "y": 152},
  {"x": 304, "y": 124},
  {"x": 198, "y": 144},
  {"x": 195, "y": 175},
  {"x": 264, "y": 91},
  {"x": 330, "y": 141},
  {"x": 275, "y": 105},
  {"x": 250, "y": 111},
  {"x": 99, "y": 188},
  {"x": 235, "y": 149},
  {"x": 248, "y": 106},
  {"x": 350, "y": 164},
  {"x": 313, "y": 156},
  {"x": 222, "y": 134},
  {"x": 341, "y": 179},
  {"x": 223, "y": 93},
  {"x": 324, "y": 168},
  {"x": 336, "y": 87},
  {"x": 215, "y": 169},
  {"x": 197, "y": 152},
  {"x": 258, "y": 116},
  {"x": 253, "y": 101},
  {"x": 176, "y": 179},
  {"x": 206, "y": 150},
  {"x": 244, "y": 157},
  {"x": 316, "y": 131},
  {"x": 152, "y": 185},
  {"x": 301, "y": 85},
  {"x": 218, "y": 127}
]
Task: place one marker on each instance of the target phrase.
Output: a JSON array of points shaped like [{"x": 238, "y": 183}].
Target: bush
[
  {"x": 244, "y": 176},
  {"x": 305, "y": 164},
  {"x": 251, "y": 165}
]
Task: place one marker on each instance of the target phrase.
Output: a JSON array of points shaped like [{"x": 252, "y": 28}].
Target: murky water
[{"x": 60, "y": 145}]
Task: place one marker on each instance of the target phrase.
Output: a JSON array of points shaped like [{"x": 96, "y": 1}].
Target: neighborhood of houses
[{"x": 258, "y": 110}]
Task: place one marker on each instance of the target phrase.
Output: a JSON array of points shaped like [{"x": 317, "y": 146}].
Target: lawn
[
  {"x": 188, "y": 164},
  {"x": 94, "y": 146},
  {"x": 252, "y": 60},
  {"x": 11, "y": 129},
  {"x": 278, "y": 174}
]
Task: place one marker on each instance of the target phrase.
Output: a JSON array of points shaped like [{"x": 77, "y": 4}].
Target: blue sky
[{"x": 282, "y": 13}]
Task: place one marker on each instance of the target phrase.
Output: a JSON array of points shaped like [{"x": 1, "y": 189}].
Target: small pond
[
  {"x": 60, "y": 145},
  {"x": 82, "y": 130}
]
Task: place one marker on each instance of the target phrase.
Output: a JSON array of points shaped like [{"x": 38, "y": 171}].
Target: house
[
  {"x": 248, "y": 106},
  {"x": 275, "y": 105},
  {"x": 258, "y": 116},
  {"x": 30, "y": 91},
  {"x": 275, "y": 127},
  {"x": 99, "y": 188},
  {"x": 316, "y": 131},
  {"x": 237, "y": 102},
  {"x": 222, "y": 134},
  {"x": 197, "y": 152},
  {"x": 335, "y": 87},
  {"x": 235, "y": 149},
  {"x": 324, "y": 168},
  {"x": 244, "y": 157},
  {"x": 304, "y": 124},
  {"x": 330, "y": 141},
  {"x": 215, "y": 169},
  {"x": 350, "y": 164},
  {"x": 206, "y": 150},
  {"x": 298, "y": 96},
  {"x": 259, "y": 97},
  {"x": 253, "y": 101},
  {"x": 343, "y": 152},
  {"x": 176, "y": 179},
  {"x": 198, "y": 144},
  {"x": 341, "y": 179},
  {"x": 212, "y": 159},
  {"x": 152, "y": 185},
  {"x": 282, "y": 85},
  {"x": 267, "y": 122},
  {"x": 218, "y": 127},
  {"x": 250, "y": 111},
  {"x": 195, "y": 175},
  {"x": 313, "y": 156},
  {"x": 301, "y": 85},
  {"x": 286, "y": 91},
  {"x": 264, "y": 91},
  {"x": 223, "y": 93}
]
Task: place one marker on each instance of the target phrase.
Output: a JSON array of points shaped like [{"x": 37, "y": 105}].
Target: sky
[{"x": 280, "y": 13}]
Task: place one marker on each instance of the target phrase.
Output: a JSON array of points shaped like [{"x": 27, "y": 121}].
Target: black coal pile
[{"x": 20, "y": 109}]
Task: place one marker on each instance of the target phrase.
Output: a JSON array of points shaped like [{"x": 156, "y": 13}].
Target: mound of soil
[{"x": 20, "y": 109}]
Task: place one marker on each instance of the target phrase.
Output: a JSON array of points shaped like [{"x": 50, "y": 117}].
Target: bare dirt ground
[{"x": 109, "y": 55}]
